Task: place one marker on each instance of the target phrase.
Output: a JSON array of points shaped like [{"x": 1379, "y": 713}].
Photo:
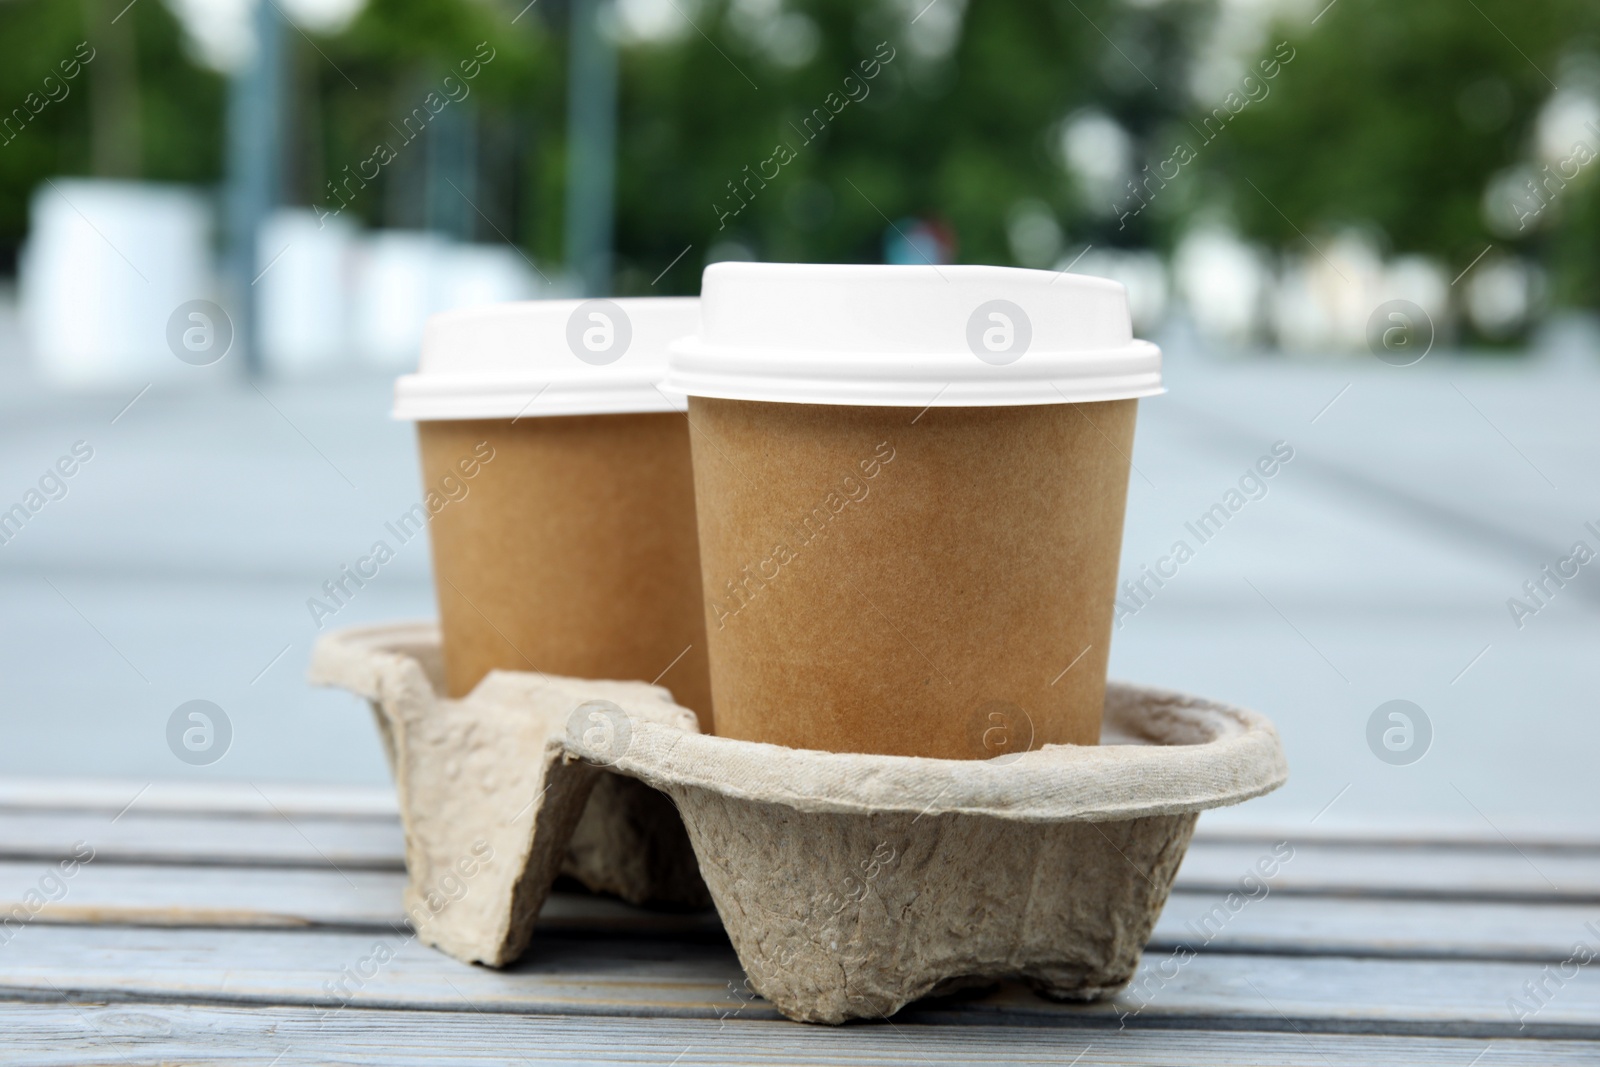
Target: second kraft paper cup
[
  {"x": 911, "y": 484},
  {"x": 559, "y": 494}
]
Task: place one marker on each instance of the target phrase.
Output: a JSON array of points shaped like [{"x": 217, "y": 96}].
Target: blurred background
[{"x": 1370, "y": 231}]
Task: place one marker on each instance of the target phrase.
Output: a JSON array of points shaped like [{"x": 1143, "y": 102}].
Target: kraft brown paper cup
[
  {"x": 561, "y": 494},
  {"x": 911, "y": 486},
  {"x": 942, "y": 589},
  {"x": 573, "y": 554}
]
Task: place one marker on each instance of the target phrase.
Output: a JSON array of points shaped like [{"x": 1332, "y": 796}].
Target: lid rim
[
  {"x": 943, "y": 379},
  {"x": 436, "y": 397},
  {"x": 516, "y": 359},
  {"x": 894, "y": 336},
  {"x": 821, "y": 397}
]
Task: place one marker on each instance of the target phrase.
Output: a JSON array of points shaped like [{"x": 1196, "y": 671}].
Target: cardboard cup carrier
[
  {"x": 564, "y": 536},
  {"x": 911, "y": 484},
  {"x": 850, "y": 885}
]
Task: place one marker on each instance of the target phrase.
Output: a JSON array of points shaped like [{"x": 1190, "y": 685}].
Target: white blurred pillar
[
  {"x": 105, "y": 266},
  {"x": 305, "y": 280}
]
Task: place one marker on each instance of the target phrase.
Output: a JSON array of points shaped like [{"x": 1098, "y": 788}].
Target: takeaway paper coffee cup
[
  {"x": 911, "y": 486},
  {"x": 560, "y": 498}
]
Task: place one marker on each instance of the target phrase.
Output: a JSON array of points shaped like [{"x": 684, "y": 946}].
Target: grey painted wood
[
  {"x": 178, "y": 895},
  {"x": 1243, "y": 825},
  {"x": 221, "y": 797},
  {"x": 59, "y": 1034},
  {"x": 576, "y": 974},
  {"x": 373, "y": 842},
  {"x": 111, "y": 795},
  {"x": 1416, "y": 870},
  {"x": 183, "y": 895},
  {"x": 269, "y": 838},
  {"x": 1279, "y": 923},
  {"x": 1332, "y": 925}
]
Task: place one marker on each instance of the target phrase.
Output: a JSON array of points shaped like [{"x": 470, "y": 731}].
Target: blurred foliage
[
  {"x": 960, "y": 138},
  {"x": 1391, "y": 117},
  {"x": 149, "y": 90},
  {"x": 1395, "y": 116},
  {"x": 354, "y": 92}
]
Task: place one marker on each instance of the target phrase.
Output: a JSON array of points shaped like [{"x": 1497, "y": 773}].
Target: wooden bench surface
[{"x": 217, "y": 925}]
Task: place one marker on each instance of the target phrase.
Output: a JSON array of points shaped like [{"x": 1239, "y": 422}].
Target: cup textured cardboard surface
[
  {"x": 919, "y": 584},
  {"x": 573, "y": 552}
]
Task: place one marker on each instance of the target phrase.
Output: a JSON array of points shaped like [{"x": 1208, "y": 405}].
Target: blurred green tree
[
  {"x": 355, "y": 91},
  {"x": 809, "y": 129},
  {"x": 959, "y": 122},
  {"x": 138, "y": 108},
  {"x": 1399, "y": 115}
]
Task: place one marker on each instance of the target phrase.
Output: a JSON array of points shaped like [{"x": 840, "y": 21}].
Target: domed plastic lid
[
  {"x": 547, "y": 357},
  {"x": 909, "y": 336}
]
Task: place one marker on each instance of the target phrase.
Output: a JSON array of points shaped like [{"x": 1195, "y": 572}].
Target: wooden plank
[
  {"x": 1277, "y": 923},
  {"x": 265, "y": 838},
  {"x": 1237, "y": 825},
  {"x": 1417, "y": 871},
  {"x": 326, "y": 968},
  {"x": 1361, "y": 926},
  {"x": 214, "y": 798},
  {"x": 110, "y": 795},
  {"x": 203, "y": 896},
  {"x": 577, "y": 975},
  {"x": 173, "y": 895},
  {"x": 61, "y": 1034}
]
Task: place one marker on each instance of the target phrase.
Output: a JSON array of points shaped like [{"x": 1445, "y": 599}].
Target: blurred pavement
[{"x": 1377, "y": 567}]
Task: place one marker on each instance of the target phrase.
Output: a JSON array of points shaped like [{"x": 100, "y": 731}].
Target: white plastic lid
[
  {"x": 547, "y": 357},
  {"x": 910, "y": 336}
]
